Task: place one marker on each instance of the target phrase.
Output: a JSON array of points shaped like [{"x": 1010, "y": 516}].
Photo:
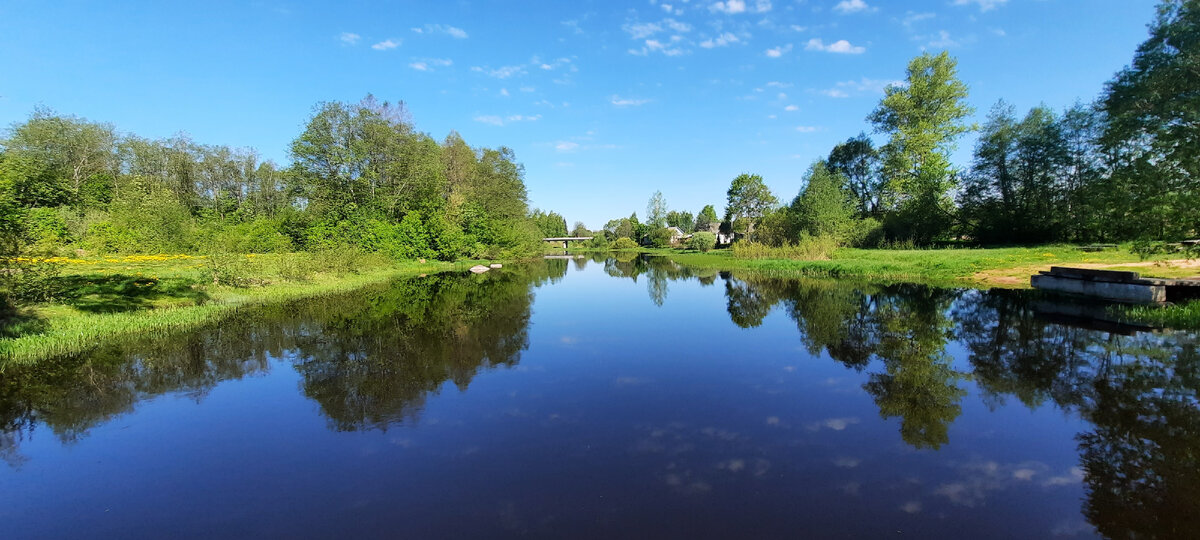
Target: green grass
[
  {"x": 105, "y": 301},
  {"x": 1009, "y": 267},
  {"x": 1179, "y": 316}
]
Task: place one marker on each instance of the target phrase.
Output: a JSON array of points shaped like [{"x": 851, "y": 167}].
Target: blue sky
[{"x": 603, "y": 101}]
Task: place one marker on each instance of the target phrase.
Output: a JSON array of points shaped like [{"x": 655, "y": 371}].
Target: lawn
[
  {"x": 108, "y": 298},
  {"x": 996, "y": 267}
]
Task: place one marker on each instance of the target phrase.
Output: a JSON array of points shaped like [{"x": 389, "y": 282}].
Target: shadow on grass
[
  {"x": 120, "y": 293},
  {"x": 16, "y": 322}
]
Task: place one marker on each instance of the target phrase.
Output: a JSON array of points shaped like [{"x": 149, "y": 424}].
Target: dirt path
[{"x": 1018, "y": 277}]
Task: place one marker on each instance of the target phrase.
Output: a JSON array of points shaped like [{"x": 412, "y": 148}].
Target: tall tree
[
  {"x": 1153, "y": 130},
  {"x": 823, "y": 208},
  {"x": 707, "y": 219},
  {"x": 748, "y": 199},
  {"x": 923, "y": 118},
  {"x": 858, "y": 161},
  {"x": 656, "y": 210}
]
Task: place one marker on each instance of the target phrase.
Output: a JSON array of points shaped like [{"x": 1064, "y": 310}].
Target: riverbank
[
  {"x": 105, "y": 299},
  {"x": 983, "y": 267}
]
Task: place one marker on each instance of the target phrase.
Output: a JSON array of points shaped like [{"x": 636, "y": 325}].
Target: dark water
[{"x": 615, "y": 399}]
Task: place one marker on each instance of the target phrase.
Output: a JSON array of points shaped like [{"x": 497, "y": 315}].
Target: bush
[
  {"x": 624, "y": 242},
  {"x": 659, "y": 237},
  {"x": 29, "y": 279},
  {"x": 808, "y": 248},
  {"x": 702, "y": 241},
  {"x": 229, "y": 269},
  {"x": 46, "y": 227}
]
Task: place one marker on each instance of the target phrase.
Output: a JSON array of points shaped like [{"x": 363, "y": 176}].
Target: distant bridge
[{"x": 565, "y": 239}]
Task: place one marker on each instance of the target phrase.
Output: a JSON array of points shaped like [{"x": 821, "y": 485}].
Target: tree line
[
  {"x": 1124, "y": 167},
  {"x": 361, "y": 176}
]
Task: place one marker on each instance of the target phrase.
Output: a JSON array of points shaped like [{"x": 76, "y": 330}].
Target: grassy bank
[
  {"x": 104, "y": 299},
  {"x": 996, "y": 267}
]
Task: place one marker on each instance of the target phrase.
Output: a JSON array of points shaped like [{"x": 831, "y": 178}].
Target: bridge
[{"x": 565, "y": 239}]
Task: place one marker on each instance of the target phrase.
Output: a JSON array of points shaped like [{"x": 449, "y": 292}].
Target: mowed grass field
[
  {"x": 988, "y": 267},
  {"x": 99, "y": 299}
]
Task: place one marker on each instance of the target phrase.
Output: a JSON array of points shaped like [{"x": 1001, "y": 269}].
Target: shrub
[
  {"x": 808, "y": 248},
  {"x": 230, "y": 269},
  {"x": 624, "y": 242},
  {"x": 29, "y": 279},
  {"x": 659, "y": 237},
  {"x": 702, "y": 241}
]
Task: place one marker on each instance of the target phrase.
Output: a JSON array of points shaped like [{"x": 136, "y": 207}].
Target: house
[{"x": 677, "y": 235}]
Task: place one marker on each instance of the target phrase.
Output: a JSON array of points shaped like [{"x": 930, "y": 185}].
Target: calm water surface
[{"x": 605, "y": 398}]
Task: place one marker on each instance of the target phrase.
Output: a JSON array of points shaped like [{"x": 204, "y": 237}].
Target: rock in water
[
  {"x": 479, "y": 269},
  {"x": 495, "y": 265}
]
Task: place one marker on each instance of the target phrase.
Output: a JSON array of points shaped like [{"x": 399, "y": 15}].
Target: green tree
[
  {"x": 1153, "y": 130},
  {"x": 683, "y": 220},
  {"x": 923, "y": 118},
  {"x": 858, "y": 161},
  {"x": 707, "y": 220},
  {"x": 823, "y": 208},
  {"x": 656, "y": 210},
  {"x": 748, "y": 199}
]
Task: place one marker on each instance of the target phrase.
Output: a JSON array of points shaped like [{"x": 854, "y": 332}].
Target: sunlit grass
[{"x": 111, "y": 298}]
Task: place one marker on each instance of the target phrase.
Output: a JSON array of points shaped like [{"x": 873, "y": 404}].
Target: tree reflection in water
[{"x": 370, "y": 359}]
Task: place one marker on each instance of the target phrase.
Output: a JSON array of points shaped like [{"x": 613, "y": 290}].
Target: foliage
[
  {"x": 623, "y": 243},
  {"x": 656, "y": 210},
  {"x": 858, "y": 162},
  {"x": 823, "y": 209},
  {"x": 748, "y": 198},
  {"x": 659, "y": 237},
  {"x": 550, "y": 224},
  {"x": 702, "y": 241},
  {"x": 807, "y": 248},
  {"x": 1152, "y": 132},
  {"x": 706, "y": 219},
  {"x": 923, "y": 118},
  {"x": 683, "y": 220}
]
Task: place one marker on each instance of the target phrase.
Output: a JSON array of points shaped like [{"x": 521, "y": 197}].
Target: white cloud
[
  {"x": 349, "y": 38},
  {"x": 911, "y": 18},
  {"x": 642, "y": 30},
  {"x": 810, "y": 129},
  {"x": 864, "y": 85},
  {"x": 942, "y": 41},
  {"x": 496, "y": 120},
  {"x": 730, "y": 6},
  {"x": 386, "y": 44},
  {"x": 852, "y": 6},
  {"x": 778, "y": 51},
  {"x": 840, "y": 46},
  {"x": 566, "y": 146},
  {"x": 791, "y": 108},
  {"x": 733, "y": 7},
  {"x": 984, "y": 5},
  {"x": 719, "y": 41},
  {"x": 626, "y": 102},
  {"x": 457, "y": 33},
  {"x": 798, "y": 28},
  {"x": 502, "y": 72},
  {"x": 504, "y": 92},
  {"x": 777, "y": 84},
  {"x": 427, "y": 64}
]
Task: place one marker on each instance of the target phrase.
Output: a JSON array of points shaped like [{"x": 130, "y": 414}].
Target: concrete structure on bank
[{"x": 1117, "y": 286}]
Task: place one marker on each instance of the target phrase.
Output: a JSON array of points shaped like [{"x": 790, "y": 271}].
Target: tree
[
  {"x": 858, "y": 161},
  {"x": 923, "y": 118},
  {"x": 707, "y": 219},
  {"x": 1153, "y": 130},
  {"x": 580, "y": 229},
  {"x": 683, "y": 220},
  {"x": 656, "y": 210},
  {"x": 748, "y": 199},
  {"x": 823, "y": 208},
  {"x": 1016, "y": 186}
]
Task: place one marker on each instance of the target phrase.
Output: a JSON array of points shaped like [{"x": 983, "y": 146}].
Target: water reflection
[{"x": 370, "y": 361}]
